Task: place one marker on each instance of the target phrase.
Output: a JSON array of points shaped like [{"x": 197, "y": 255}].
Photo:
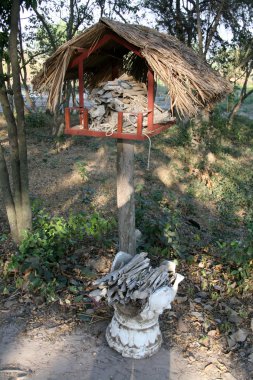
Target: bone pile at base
[
  {"x": 126, "y": 95},
  {"x": 135, "y": 281}
]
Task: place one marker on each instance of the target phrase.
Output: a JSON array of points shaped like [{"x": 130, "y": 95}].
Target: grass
[{"x": 211, "y": 193}]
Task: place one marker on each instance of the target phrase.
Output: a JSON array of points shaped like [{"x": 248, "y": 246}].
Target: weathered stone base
[{"x": 134, "y": 337}]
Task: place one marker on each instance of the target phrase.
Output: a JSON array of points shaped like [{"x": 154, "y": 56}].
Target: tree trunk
[
  {"x": 70, "y": 20},
  {"x": 67, "y": 93},
  {"x": 125, "y": 196},
  {"x": 200, "y": 37},
  {"x": 42, "y": 19},
  {"x": 243, "y": 95},
  {"x": 24, "y": 76},
  {"x": 73, "y": 93},
  {"x": 16, "y": 197},
  {"x": 25, "y": 219},
  {"x": 237, "y": 106},
  {"x": 7, "y": 194},
  {"x": 9, "y": 87}
]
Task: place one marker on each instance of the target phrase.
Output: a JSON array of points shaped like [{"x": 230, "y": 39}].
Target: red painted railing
[{"x": 83, "y": 128}]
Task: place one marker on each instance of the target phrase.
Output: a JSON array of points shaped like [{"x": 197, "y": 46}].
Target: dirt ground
[
  {"x": 49, "y": 343},
  {"x": 54, "y": 348}
]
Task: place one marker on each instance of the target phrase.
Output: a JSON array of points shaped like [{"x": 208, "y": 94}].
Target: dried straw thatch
[{"x": 192, "y": 83}]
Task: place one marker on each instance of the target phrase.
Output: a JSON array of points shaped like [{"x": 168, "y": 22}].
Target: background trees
[
  {"x": 214, "y": 29},
  {"x": 221, "y": 31}
]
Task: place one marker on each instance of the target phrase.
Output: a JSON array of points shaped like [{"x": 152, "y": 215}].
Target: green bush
[
  {"x": 37, "y": 120},
  {"x": 239, "y": 252},
  {"x": 37, "y": 262},
  {"x": 238, "y": 257}
]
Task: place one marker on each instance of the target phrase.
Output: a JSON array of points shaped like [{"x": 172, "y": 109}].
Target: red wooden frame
[
  {"x": 99, "y": 44},
  {"x": 152, "y": 129},
  {"x": 119, "y": 134}
]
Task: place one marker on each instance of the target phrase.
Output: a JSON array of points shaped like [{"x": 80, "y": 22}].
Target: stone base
[{"x": 134, "y": 337}]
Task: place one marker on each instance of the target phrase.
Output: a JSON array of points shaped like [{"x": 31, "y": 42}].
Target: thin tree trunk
[
  {"x": 67, "y": 94},
  {"x": 74, "y": 93},
  {"x": 24, "y": 76},
  {"x": 46, "y": 26},
  {"x": 70, "y": 20},
  {"x": 125, "y": 196},
  {"x": 200, "y": 37},
  {"x": 7, "y": 195},
  {"x": 243, "y": 95},
  {"x": 13, "y": 140},
  {"x": 237, "y": 106},
  {"x": 9, "y": 88},
  {"x": 213, "y": 27},
  {"x": 24, "y": 220}
]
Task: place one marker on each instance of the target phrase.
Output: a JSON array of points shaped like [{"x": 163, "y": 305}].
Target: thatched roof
[{"x": 191, "y": 82}]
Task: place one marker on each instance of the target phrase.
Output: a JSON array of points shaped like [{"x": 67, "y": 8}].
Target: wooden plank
[
  {"x": 88, "y": 52},
  {"x": 125, "y": 196},
  {"x": 159, "y": 128},
  {"x": 126, "y": 44},
  {"x": 156, "y": 128},
  {"x": 116, "y": 135}
]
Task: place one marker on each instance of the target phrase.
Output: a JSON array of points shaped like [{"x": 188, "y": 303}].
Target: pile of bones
[
  {"x": 125, "y": 95},
  {"x": 134, "y": 281}
]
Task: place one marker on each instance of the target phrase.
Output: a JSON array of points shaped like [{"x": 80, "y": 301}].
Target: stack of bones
[{"x": 122, "y": 95}]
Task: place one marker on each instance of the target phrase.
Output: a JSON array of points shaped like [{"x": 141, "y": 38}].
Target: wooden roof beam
[{"x": 103, "y": 41}]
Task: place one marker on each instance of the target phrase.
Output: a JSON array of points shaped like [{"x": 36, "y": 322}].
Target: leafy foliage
[
  {"x": 5, "y": 11},
  {"x": 160, "y": 231},
  {"x": 82, "y": 170},
  {"x": 37, "y": 263},
  {"x": 36, "y": 120},
  {"x": 239, "y": 254}
]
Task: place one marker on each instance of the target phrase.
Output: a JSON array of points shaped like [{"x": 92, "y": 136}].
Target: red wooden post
[
  {"x": 151, "y": 100},
  {"x": 139, "y": 124},
  {"x": 120, "y": 122},
  {"x": 67, "y": 118}
]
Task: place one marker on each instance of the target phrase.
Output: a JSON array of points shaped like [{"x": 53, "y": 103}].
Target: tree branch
[
  {"x": 41, "y": 18},
  {"x": 80, "y": 20},
  {"x": 213, "y": 27},
  {"x": 200, "y": 37}
]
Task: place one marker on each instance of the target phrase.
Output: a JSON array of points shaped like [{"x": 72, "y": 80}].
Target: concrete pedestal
[{"x": 133, "y": 336}]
